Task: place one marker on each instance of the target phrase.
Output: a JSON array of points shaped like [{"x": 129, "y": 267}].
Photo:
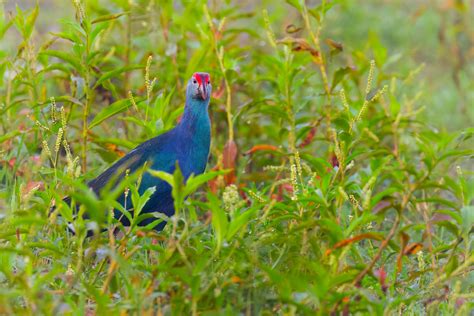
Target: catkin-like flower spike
[
  {"x": 150, "y": 88},
  {"x": 274, "y": 168},
  {"x": 350, "y": 165},
  {"x": 311, "y": 181},
  {"x": 342, "y": 95},
  {"x": 298, "y": 164},
  {"x": 63, "y": 117},
  {"x": 73, "y": 169},
  {"x": 149, "y": 84},
  {"x": 268, "y": 29},
  {"x": 220, "y": 54},
  {"x": 371, "y": 135},
  {"x": 421, "y": 261},
  {"x": 338, "y": 150},
  {"x": 369, "y": 184},
  {"x": 77, "y": 173},
  {"x": 80, "y": 10},
  {"x": 38, "y": 123},
  {"x": 294, "y": 182},
  {"x": 208, "y": 17},
  {"x": 53, "y": 109},
  {"x": 299, "y": 170},
  {"x": 379, "y": 93},
  {"x": 367, "y": 199},
  {"x": 57, "y": 146},
  {"x": 366, "y": 101},
  {"x": 231, "y": 198},
  {"x": 307, "y": 168},
  {"x": 221, "y": 24},
  {"x": 46, "y": 149},
  {"x": 70, "y": 163},
  {"x": 282, "y": 181},
  {"x": 354, "y": 202},
  {"x": 343, "y": 193},
  {"x": 132, "y": 100},
  {"x": 370, "y": 77},
  {"x": 255, "y": 196}
]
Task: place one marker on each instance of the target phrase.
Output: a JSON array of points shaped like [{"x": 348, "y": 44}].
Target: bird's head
[{"x": 199, "y": 86}]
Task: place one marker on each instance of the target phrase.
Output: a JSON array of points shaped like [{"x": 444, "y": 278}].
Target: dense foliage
[{"x": 328, "y": 190}]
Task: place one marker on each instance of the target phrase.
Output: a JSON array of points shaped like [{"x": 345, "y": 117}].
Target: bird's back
[{"x": 159, "y": 153}]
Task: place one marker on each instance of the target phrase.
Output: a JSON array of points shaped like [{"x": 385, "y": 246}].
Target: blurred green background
[{"x": 433, "y": 36}]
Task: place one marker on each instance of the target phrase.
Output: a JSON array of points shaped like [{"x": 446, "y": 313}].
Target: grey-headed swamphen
[{"x": 186, "y": 144}]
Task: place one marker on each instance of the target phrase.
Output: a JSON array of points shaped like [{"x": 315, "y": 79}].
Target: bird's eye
[
  {"x": 208, "y": 82},
  {"x": 194, "y": 81}
]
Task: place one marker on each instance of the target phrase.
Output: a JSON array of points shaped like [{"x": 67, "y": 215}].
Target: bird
[{"x": 186, "y": 145}]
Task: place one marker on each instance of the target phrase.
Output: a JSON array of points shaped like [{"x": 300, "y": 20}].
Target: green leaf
[
  {"x": 296, "y": 4},
  {"x": 193, "y": 182},
  {"x": 111, "y": 110},
  {"x": 239, "y": 221},
  {"x": 30, "y": 22},
  {"x": 219, "y": 221},
  {"x": 167, "y": 177},
  {"x": 108, "y": 17},
  {"x": 115, "y": 72},
  {"x": 338, "y": 76},
  {"x": 178, "y": 187},
  {"x": 467, "y": 214},
  {"x": 9, "y": 135},
  {"x": 63, "y": 98},
  {"x": 380, "y": 52},
  {"x": 67, "y": 36},
  {"x": 139, "y": 202},
  {"x": 65, "y": 56}
]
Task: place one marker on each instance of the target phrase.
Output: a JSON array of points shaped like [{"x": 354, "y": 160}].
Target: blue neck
[{"x": 195, "y": 121}]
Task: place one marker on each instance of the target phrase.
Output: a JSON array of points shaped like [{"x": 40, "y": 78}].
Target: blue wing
[{"x": 158, "y": 153}]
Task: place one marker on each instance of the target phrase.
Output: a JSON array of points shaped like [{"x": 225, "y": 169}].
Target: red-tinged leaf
[
  {"x": 381, "y": 206},
  {"x": 140, "y": 233},
  {"x": 404, "y": 241},
  {"x": 334, "y": 45},
  {"x": 287, "y": 187},
  {"x": 12, "y": 162},
  {"x": 214, "y": 183},
  {"x": 32, "y": 185},
  {"x": 309, "y": 137},
  {"x": 229, "y": 157},
  {"x": 301, "y": 45},
  {"x": 351, "y": 240},
  {"x": 291, "y": 28},
  {"x": 334, "y": 161},
  {"x": 381, "y": 275},
  {"x": 36, "y": 159},
  {"x": 219, "y": 92},
  {"x": 114, "y": 148},
  {"x": 412, "y": 248},
  {"x": 439, "y": 217},
  {"x": 261, "y": 147}
]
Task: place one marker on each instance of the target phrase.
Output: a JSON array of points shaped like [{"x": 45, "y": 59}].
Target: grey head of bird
[{"x": 199, "y": 86}]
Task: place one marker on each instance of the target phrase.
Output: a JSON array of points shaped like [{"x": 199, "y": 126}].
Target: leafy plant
[{"x": 327, "y": 191}]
